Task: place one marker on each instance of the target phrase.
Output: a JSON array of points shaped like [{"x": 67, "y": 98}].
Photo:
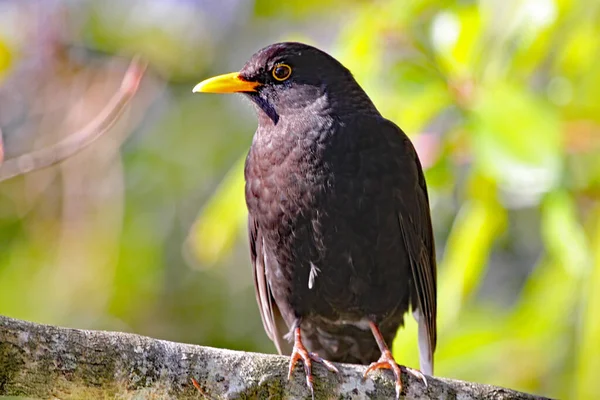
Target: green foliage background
[{"x": 500, "y": 98}]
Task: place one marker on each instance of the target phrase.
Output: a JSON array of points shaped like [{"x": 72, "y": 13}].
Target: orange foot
[
  {"x": 300, "y": 353},
  {"x": 386, "y": 361}
]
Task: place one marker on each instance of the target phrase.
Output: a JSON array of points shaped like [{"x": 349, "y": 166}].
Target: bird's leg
[
  {"x": 300, "y": 352},
  {"x": 386, "y": 361}
]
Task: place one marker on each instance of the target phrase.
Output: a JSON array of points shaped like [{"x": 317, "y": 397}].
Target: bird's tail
[{"x": 425, "y": 350}]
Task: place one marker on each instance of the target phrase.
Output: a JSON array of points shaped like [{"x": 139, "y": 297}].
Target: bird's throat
[{"x": 264, "y": 108}]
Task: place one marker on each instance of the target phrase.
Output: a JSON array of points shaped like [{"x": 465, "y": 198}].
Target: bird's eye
[{"x": 282, "y": 71}]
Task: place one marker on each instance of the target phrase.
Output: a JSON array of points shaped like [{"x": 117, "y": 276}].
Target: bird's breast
[{"x": 286, "y": 173}]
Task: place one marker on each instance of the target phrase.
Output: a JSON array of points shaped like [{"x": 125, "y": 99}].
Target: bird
[{"x": 339, "y": 223}]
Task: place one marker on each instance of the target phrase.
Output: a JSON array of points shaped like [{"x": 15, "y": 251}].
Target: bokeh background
[{"x": 144, "y": 231}]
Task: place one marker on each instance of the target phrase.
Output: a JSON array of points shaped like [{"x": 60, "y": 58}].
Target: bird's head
[{"x": 293, "y": 79}]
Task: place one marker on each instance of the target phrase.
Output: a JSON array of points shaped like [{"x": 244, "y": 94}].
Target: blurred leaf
[
  {"x": 580, "y": 48},
  {"x": 456, "y": 35},
  {"x": 588, "y": 357},
  {"x": 179, "y": 50},
  {"x": 405, "y": 344},
  {"x": 5, "y": 58},
  {"x": 479, "y": 222},
  {"x": 297, "y": 9},
  {"x": 421, "y": 108},
  {"x": 140, "y": 269},
  {"x": 471, "y": 340},
  {"x": 516, "y": 138},
  {"x": 218, "y": 224},
  {"x": 359, "y": 47},
  {"x": 563, "y": 234},
  {"x": 584, "y": 169},
  {"x": 543, "y": 322}
]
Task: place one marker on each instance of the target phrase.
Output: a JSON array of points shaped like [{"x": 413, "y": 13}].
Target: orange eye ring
[{"x": 281, "y": 72}]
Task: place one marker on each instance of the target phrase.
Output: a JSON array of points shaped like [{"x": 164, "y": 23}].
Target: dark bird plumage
[{"x": 339, "y": 224}]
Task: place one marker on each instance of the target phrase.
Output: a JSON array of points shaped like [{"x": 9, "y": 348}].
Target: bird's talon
[
  {"x": 309, "y": 383},
  {"x": 316, "y": 358},
  {"x": 300, "y": 353},
  {"x": 329, "y": 365},
  {"x": 398, "y": 389},
  {"x": 386, "y": 361},
  {"x": 417, "y": 374},
  {"x": 375, "y": 366}
]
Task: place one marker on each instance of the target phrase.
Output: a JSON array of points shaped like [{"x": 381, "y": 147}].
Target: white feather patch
[{"x": 314, "y": 270}]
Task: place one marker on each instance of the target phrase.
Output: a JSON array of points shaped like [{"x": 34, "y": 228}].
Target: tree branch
[
  {"x": 79, "y": 140},
  {"x": 43, "y": 361}
]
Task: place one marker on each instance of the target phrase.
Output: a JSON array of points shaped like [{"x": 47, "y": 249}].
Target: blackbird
[{"x": 339, "y": 223}]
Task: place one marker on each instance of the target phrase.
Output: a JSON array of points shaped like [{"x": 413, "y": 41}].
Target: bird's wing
[
  {"x": 271, "y": 317},
  {"x": 415, "y": 224}
]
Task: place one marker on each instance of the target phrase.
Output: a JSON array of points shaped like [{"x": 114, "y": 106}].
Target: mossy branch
[{"x": 42, "y": 361}]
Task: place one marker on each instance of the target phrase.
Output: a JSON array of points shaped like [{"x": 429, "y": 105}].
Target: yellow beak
[{"x": 228, "y": 83}]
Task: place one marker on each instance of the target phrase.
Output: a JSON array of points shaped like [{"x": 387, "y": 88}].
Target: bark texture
[{"x": 48, "y": 362}]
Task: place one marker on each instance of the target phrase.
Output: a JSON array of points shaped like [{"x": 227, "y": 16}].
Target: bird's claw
[
  {"x": 300, "y": 353},
  {"x": 386, "y": 361},
  {"x": 417, "y": 374}
]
